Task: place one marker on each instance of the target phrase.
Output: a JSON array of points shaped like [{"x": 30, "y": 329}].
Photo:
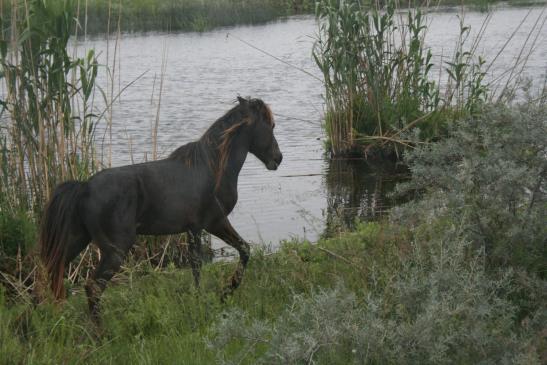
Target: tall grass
[
  {"x": 47, "y": 106},
  {"x": 376, "y": 72},
  {"x": 379, "y": 84}
]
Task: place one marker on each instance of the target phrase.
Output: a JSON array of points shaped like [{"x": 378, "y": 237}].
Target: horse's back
[{"x": 159, "y": 197}]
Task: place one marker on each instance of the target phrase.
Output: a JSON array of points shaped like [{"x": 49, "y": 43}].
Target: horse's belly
[
  {"x": 158, "y": 222},
  {"x": 168, "y": 217}
]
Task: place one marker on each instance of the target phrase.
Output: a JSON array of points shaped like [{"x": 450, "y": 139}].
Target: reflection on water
[{"x": 358, "y": 190}]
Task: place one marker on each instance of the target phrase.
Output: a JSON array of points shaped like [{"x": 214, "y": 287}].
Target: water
[{"x": 205, "y": 72}]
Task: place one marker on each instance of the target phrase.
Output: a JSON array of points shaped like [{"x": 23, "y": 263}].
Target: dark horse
[{"x": 193, "y": 189}]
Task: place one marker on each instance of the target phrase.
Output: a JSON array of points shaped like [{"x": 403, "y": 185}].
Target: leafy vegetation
[
  {"x": 465, "y": 283},
  {"x": 47, "y": 120},
  {"x": 489, "y": 176},
  {"x": 378, "y": 81},
  {"x": 456, "y": 275}
]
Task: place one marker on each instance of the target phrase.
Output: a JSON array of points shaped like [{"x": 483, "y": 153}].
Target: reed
[
  {"x": 376, "y": 72},
  {"x": 379, "y": 82},
  {"x": 48, "y": 123}
]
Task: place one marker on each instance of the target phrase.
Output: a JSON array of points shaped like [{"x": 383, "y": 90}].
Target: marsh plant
[
  {"x": 378, "y": 77},
  {"x": 48, "y": 129},
  {"x": 48, "y": 123},
  {"x": 373, "y": 85}
]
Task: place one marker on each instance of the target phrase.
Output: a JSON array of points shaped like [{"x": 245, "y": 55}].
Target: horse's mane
[{"x": 215, "y": 144}]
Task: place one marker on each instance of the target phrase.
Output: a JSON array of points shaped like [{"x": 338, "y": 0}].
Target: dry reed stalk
[{"x": 157, "y": 120}]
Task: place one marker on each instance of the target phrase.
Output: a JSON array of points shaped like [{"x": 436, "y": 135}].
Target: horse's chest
[{"x": 226, "y": 201}]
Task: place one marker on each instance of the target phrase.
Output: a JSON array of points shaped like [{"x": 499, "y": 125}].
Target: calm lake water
[{"x": 205, "y": 72}]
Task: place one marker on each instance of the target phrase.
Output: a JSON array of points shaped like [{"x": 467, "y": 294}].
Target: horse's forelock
[
  {"x": 269, "y": 114},
  {"x": 262, "y": 107}
]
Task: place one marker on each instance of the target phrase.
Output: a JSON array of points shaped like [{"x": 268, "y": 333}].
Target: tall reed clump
[
  {"x": 47, "y": 122},
  {"x": 378, "y": 82}
]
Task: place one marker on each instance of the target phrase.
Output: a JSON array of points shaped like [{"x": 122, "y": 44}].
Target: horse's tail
[{"x": 60, "y": 219}]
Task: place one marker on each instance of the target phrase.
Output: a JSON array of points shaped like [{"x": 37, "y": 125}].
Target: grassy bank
[
  {"x": 353, "y": 299},
  {"x": 455, "y": 276},
  {"x": 157, "y": 317},
  {"x": 196, "y": 15},
  {"x": 186, "y": 15}
]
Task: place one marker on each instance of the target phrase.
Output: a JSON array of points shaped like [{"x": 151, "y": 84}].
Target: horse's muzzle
[{"x": 274, "y": 164}]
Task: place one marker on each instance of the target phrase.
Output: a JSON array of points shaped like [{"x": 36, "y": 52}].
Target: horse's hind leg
[
  {"x": 228, "y": 234},
  {"x": 195, "y": 256},
  {"x": 113, "y": 253},
  {"x": 77, "y": 244}
]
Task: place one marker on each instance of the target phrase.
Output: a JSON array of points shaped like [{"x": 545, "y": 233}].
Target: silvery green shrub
[
  {"x": 489, "y": 177},
  {"x": 441, "y": 311}
]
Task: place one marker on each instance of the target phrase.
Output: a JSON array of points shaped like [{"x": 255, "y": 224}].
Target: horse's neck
[{"x": 236, "y": 159}]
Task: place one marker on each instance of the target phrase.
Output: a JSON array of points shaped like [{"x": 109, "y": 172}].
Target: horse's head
[{"x": 263, "y": 143}]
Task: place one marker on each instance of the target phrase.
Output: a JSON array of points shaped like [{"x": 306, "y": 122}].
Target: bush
[
  {"x": 16, "y": 232},
  {"x": 488, "y": 177},
  {"x": 439, "y": 309}
]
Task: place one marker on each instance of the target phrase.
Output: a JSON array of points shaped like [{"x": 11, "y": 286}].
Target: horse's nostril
[{"x": 279, "y": 159}]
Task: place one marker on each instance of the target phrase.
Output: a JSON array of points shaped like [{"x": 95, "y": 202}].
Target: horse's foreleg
[
  {"x": 195, "y": 256},
  {"x": 227, "y": 233},
  {"x": 112, "y": 257}
]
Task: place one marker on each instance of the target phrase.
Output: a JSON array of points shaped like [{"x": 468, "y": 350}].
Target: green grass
[
  {"x": 374, "y": 287},
  {"x": 158, "y": 317},
  {"x": 455, "y": 276},
  {"x": 101, "y": 16}
]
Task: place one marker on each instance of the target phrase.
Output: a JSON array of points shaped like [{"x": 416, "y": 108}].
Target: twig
[
  {"x": 274, "y": 57},
  {"x": 340, "y": 258}
]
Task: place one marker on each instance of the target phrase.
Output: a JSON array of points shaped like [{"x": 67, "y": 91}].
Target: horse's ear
[{"x": 242, "y": 101}]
